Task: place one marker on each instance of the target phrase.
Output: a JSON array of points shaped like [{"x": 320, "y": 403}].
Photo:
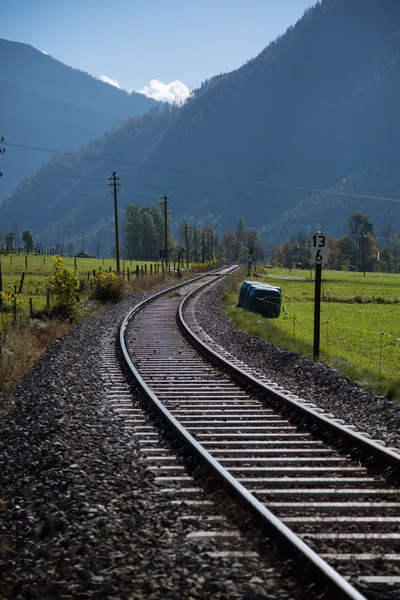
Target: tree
[
  {"x": 360, "y": 225},
  {"x": 64, "y": 284},
  {"x": 10, "y": 240},
  {"x": 394, "y": 249},
  {"x": 240, "y": 238},
  {"x": 339, "y": 253},
  {"x": 229, "y": 245},
  {"x": 27, "y": 238},
  {"x": 144, "y": 232},
  {"x": 287, "y": 256},
  {"x": 369, "y": 250}
]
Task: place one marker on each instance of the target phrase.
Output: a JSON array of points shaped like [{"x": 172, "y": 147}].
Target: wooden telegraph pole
[
  {"x": 186, "y": 245},
  {"x": 165, "y": 201},
  {"x": 115, "y": 181},
  {"x": 195, "y": 243}
]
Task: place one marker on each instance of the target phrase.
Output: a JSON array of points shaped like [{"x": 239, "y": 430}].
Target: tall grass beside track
[{"x": 360, "y": 322}]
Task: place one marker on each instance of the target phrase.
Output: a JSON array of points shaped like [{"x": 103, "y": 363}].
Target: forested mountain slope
[
  {"x": 317, "y": 109},
  {"x": 69, "y": 199},
  {"x": 45, "y": 103}
]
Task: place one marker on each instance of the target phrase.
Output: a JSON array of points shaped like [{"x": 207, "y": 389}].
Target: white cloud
[
  {"x": 113, "y": 82},
  {"x": 176, "y": 91}
]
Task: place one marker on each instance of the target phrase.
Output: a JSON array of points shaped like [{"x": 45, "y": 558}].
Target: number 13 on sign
[{"x": 319, "y": 248}]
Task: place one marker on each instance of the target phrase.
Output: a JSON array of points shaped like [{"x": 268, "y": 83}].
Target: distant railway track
[{"x": 341, "y": 517}]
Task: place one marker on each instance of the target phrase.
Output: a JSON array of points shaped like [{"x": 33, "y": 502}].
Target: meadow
[
  {"x": 38, "y": 269},
  {"x": 360, "y": 322}
]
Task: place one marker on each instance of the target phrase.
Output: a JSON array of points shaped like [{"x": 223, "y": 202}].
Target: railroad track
[{"x": 341, "y": 517}]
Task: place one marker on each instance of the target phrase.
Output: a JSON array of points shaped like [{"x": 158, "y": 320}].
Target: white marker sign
[{"x": 319, "y": 248}]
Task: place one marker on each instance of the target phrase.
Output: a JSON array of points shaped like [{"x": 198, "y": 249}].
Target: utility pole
[
  {"x": 165, "y": 201},
  {"x": 195, "y": 243},
  {"x": 362, "y": 251},
  {"x": 115, "y": 181},
  {"x": 202, "y": 242},
  {"x": 186, "y": 245},
  {"x": 2, "y": 151}
]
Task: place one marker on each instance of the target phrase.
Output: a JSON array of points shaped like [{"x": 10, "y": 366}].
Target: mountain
[
  {"x": 44, "y": 103},
  {"x": 316, "y": 110},
  {"x": 68, "y": 199}
]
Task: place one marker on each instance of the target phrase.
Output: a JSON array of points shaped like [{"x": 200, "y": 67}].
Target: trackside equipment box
[{"x": 260, "y": 298}]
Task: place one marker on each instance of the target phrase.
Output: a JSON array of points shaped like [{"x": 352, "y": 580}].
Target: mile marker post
[{"x": 319, "y": 255}]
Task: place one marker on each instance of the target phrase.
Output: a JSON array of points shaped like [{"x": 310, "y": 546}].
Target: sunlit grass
[{"x": 360, "y": 323}]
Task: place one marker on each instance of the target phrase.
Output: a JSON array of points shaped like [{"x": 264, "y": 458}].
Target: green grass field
[
  {"x": 38, "y": 270},
  {"x": 360, "y": 323}
]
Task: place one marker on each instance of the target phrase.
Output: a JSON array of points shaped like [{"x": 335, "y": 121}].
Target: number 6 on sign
[{"x": 319, "y": 248}]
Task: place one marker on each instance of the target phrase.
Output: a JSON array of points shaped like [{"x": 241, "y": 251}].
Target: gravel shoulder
[
  {"x": 323, "y": 385},
  {"x": 79, "y": 515}
]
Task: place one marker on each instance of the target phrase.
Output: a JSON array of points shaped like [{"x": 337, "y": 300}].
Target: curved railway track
[{"x": 341, "y": 517}]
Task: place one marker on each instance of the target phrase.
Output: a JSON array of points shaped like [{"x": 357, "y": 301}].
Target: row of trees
[
  {"x": 357, "y": 251},
  {"x": 7, "y": 240},
  {"x": 144, "y": 236},
  {"x": 144, "y": 239}
]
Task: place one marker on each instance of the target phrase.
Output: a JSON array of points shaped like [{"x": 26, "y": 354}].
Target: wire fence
[{"x": 379, "y": 347}]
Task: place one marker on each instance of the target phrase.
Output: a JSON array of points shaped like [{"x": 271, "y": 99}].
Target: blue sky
[{"x": 136, "y": 41}]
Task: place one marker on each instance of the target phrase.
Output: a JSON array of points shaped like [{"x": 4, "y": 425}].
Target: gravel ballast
[{"x": 80, "y": 517}]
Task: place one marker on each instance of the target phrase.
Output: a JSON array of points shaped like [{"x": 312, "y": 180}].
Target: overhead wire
[{"x": 210, "y": 175}]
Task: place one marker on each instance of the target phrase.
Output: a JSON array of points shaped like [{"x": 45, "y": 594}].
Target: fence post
[
  {"x": 137, "y": 271},
  {"x": 380, "y": 354},
  {"x": 31, "y": 307},
  {"x": 21, "y": 283},
  {"x": 26, "y": 261},
  {"x": 48, "y": 298}
]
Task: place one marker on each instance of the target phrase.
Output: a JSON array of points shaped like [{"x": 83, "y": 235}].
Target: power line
[{"x": 212, "y": 175}]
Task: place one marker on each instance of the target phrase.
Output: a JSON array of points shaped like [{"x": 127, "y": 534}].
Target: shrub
[
  {"x": 108, "y": 287},
  {"x": 11, "y": 298},
  {"x": 64, "y": 285}
]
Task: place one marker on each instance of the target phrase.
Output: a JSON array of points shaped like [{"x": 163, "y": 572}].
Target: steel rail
[
  {"x": 385, "y": 455},
  {"x": 290, "y": 540}
]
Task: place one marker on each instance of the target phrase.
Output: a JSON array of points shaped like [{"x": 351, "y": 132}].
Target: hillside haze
[
  {"x": 317, "y": 109},
  {"x": 45, "y": 103}
]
